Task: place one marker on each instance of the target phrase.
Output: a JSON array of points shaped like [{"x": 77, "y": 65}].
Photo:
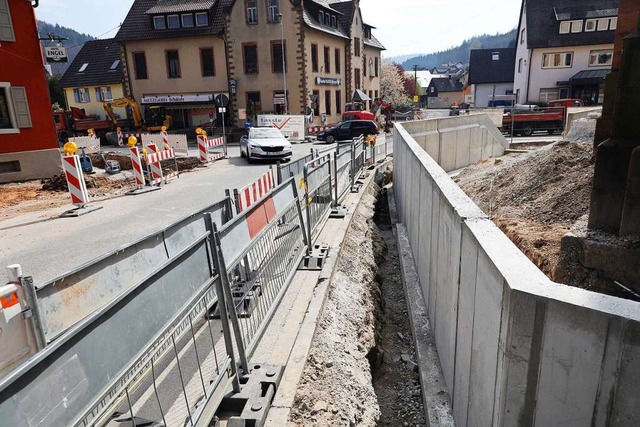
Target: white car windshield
[{"x": 265, "y": 133}]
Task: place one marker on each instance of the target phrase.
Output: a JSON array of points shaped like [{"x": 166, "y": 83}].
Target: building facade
[
  {"x": 320, "y": 51},
  {"x": 491, "y": 76},
  {"x": 28, "y": 143},
  {"x": 95, "y": 76},
  {"x": 174, "y": 57},
  {"x": 564, "y": 49}
]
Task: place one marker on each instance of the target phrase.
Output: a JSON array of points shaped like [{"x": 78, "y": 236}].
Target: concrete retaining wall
[
  {"x": 515, "y": 348},
  {"x": 577, "y": 113},
  {"x": 455, "y": 142}
]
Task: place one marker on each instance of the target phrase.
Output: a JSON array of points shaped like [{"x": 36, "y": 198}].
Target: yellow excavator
[{"x": 154, "y": 119}]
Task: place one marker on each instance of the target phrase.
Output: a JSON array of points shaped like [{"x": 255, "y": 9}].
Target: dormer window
[
  {"x": 187, "y": 20},
  {"x": 321, "y": 17},
  {"x": 202, "y": 19},
  {"x": 567, "y": 27},
  {"x": 114, "y": 65},
  {"x": 173, "y": 21},
  {"x": 495, "y": 56},
  {"x": 159, "y": 23}
]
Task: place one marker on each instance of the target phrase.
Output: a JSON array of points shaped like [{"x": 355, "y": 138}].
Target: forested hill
[
  {"x": 461, "y": 53},
  {"x": 74, "y": 44}
]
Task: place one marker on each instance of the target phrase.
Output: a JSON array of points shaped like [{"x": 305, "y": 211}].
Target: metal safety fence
[
  {"x": 317, "y": 192},
  {"x": 342, "y": 174},
  {"x": 293, "y": 168}
]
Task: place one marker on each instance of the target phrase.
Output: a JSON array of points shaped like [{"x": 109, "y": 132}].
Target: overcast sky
[{"x": 403, "y": 26}]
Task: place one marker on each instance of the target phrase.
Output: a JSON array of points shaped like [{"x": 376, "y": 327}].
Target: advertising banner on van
[{"x": 291, "y": 126}]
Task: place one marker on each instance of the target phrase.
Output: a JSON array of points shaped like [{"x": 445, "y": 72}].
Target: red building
[{"x": 28, "y": 143}]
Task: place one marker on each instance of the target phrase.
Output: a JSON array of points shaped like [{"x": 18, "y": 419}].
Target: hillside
[
  {"x": 461, "y": 53},
  {"x": 74, "y": 44}
]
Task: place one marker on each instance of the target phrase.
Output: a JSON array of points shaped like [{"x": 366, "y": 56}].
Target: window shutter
[
  {"x": 21, "y": 106},
  {"x": 98, "y": 97},
  {"x": 6, "y": 27},
  {"x": 109, "y": 96},
  {"x": 76, "y": 95}
]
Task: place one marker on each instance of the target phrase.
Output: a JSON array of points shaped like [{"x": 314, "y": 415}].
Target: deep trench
[{"x": 394, "y": 368}]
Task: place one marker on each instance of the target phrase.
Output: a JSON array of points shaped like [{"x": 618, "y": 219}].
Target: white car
[{"x": 265, "y": 143}]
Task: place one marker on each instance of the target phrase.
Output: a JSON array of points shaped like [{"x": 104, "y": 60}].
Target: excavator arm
[{"x": 124, "y": 103}]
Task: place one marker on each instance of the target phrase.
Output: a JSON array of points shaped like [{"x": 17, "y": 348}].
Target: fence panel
[
  {"x": 342, "y": 171},
  {"x": 285, "y": 170}
]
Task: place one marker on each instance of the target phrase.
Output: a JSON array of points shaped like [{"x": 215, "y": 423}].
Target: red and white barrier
[
  {"x": 315, "y": 129},
  {"x": 120, "y": 139},
  {"x": 165, "y": 138},
  {"x": 136, "y": 163},
  {"x": 155, "y": 167},
  {"x": 203, "y": 148},
  {"x": 75, "y": 180},
  {"x": 248, "y": 195},
  {"x": 139, "y": 135}
]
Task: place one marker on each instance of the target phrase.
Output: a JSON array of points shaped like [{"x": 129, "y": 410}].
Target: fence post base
[{"x": 79, "y": 211}]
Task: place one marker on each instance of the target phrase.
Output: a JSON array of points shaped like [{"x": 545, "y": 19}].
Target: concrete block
[
  {"x": 447, "y": 282},
  {"x": 464, "y": 332},
  {"x": 486, "y": 332},
  {"x": 570, "y": 365},
  {"x": 463, "y": 146}
]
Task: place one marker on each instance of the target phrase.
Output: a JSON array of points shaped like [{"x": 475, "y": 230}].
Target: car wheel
[
  {"x": 242, "y": 153},
  {"x": 528, "y": 131},
  {"x": 330, "y": 139}
]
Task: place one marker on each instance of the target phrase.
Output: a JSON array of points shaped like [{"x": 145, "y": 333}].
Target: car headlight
[{"x": 252, "y": 145}]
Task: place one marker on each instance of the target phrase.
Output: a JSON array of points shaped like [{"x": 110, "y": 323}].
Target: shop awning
[
  {"x": 360, "y": 96},
  {"x": 589, "y": 77}
]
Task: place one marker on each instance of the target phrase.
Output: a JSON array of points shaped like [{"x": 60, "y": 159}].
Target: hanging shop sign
[{"x": 55, "y": 54}]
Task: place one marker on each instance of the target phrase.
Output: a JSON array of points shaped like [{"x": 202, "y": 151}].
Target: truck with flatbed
[{"x": 526, "y": 121}]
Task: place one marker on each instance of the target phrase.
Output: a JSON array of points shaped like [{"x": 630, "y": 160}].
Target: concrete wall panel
[
  {"x": 433, "y": 261},
  {"x": 448, "y": 140},
  {"x": 572, "y": 351},
  {"x": 625, "y": 409},
  {"x": 424, "y": 242},
  {"x": 463, "y": 147},
  {"x": 484, "y": 347}
]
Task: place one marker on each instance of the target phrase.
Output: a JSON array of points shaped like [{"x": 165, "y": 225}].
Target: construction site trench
[{"x": 361, "y": 369}]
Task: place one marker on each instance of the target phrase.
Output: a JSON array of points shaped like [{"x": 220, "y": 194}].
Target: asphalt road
[{"x": 47, "y": 249}]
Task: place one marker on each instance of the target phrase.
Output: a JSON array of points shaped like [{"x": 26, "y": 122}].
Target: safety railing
[
  {"x": 293, "y": 168},
  {"x": 342, "y": 173},
  {"x": 357, "y": 158},
  {"x": 317, "y": 192}
]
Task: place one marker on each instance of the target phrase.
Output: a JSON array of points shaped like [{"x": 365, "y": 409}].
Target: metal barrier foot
[
  {"x": 141, "y": 190},
  {"x": 315, "y": 260},
  {"x": 251, "y": 405},
  {"x": 338, "y": 212},
  {"x": 122, "y": 419},
  {"x": 79, "y": 211}
]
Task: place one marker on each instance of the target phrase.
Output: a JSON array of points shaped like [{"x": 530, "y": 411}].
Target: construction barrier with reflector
[
  {"x": 154, "y": 159},
  {"x": 204, "y": 144},
  {"x": 249, "y": 194}
]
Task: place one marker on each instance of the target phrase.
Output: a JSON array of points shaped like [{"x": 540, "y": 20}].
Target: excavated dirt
[
  {"x": 535, "y": 197},
  {"x": 360, "y": 370}
]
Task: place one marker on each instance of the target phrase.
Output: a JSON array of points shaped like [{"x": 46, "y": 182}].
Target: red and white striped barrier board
[
  {"x": 254, "y": 191},
  {"x": 315, "y": 129},
  {"x": 155, "y": 168},
  {"x": 161, "y": 155},
  {"x": 120, "y": 139},
  {"x": 165, "y": 138},
  {"x": 75, "y": 180},
  {"x": 136, "y": 163},
  {"x": 203, "y": 148}
]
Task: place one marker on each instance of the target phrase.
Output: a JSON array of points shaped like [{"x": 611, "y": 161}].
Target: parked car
[
  {"x": 348, "y": 130},
  {"x": 265, "y": 143}
]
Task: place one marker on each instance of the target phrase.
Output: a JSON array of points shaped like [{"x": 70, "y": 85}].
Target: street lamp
[{"x": 284, "y": 70}]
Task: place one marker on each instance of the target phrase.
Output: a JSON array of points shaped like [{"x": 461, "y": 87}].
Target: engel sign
[
  {"x": 55, "y": 53},
  {"x": 291, "y": 126}
]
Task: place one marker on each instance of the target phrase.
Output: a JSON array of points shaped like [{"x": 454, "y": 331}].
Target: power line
[{"x": 97, "y": 37}]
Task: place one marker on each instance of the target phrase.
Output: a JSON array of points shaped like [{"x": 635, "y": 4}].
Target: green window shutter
[
  {"x": 21, "y": 106},
  {"x": 6, "y": 27}
]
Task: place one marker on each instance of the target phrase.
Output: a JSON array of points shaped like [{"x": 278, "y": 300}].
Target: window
[
  {"x": 375, "y": 66},
  {"x": 277, "y": 56},
  {"x": 337, "y": 66},
  {"x": 81, "y": 95},
  {"x": 567, "y": 27},
  {"x": 356, "y": 46},
  {"x": 273, "y": 10},
  {"x": 495, "y": 56},
  {"x": 327, "y": 102},
  {"x": 187, "y": 20},
  {"x": 356, "y": 72},
  {"x": 103, "y": 93},
  {"x": 600, "y": 58},
  {"x": 321, "y": 17},
  {"x": 159, "y": 23},
  {"x": 522, "y": 36},
  {"x": 84, "y": 67},
  {"x": 6, "y": 27},
  {"x": 207, "y": 63},
  {"x": 364, "y": 66},
  {"x": 327, "y": 59},
  {"x": 316, "y": 103},
  {"x": 314, "y": 58},
  {"x": 547, "y": 95},
  {"x": 14, "y": 109},
  {"x": 613, "y": 23},
  {"x": 202, "y": 19},
  {"x": 375, "y": 94},
  {"x": 114, "y": 65},
  {"x": 140, "y": 65},
  {"x": 334, "y": 21},
  {"x": 557, "y": 60},
  {"x": 6, "y": 116},
  {"x": 367, "y": 32},
  {"x": 590, "y": 25},
  {"x": 252, "y": 12},
  {"x": 173, "y": 64},
  {"x": 253, "y": 101},
  {"x": 173, "y": 21},
  {"x": 250, "y": 55},
  {"x": 520, "y": 65},
  {"x": 338, "y": 100}
]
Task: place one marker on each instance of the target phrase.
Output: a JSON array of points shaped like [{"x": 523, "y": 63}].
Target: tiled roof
[
  {"x": 446, "y": 84},
  {"x": 138, "y": 24},
  {"x": 173, "y": 6},
  {"x": 347, "y": 8},
  {"x": 310, "y": 17},
  {"x": 99, "y": 55},
  {"x": 374, "y": 42},
  {"x": 544, "y": 16},
  {"x": 484, "y": 69}
]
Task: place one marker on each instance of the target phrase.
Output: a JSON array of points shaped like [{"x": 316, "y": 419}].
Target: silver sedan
[{"x": 265, "y": 143}]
